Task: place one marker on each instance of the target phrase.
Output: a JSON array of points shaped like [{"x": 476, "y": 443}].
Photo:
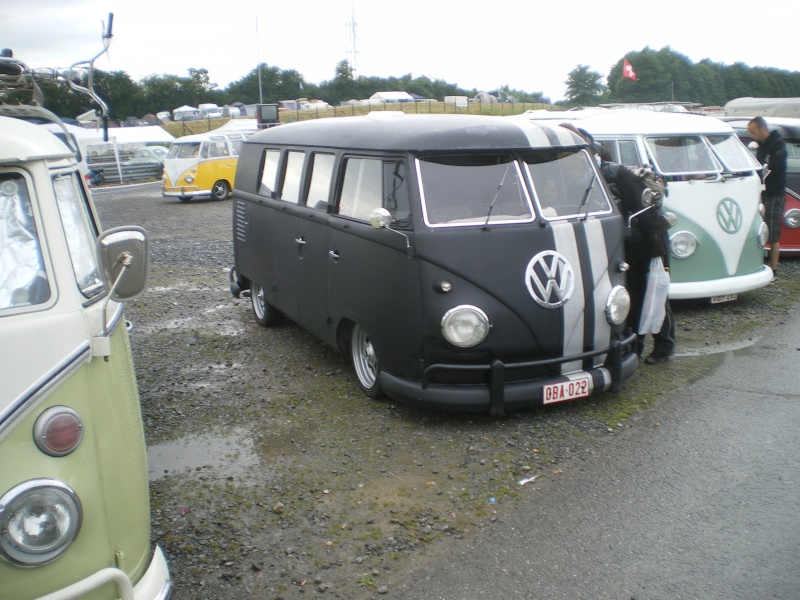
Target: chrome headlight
[
  {"x": 763, "y": 235},
  {"x": 683, "y": 244},
  {"x": 465, "y": 326},
  {"x": 39, "y": 520},
  {"x": 792, "y": 218},
  {"x": 618, "y": 305}
]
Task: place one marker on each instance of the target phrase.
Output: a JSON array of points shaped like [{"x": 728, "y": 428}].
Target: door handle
[
  {"x": 300, "y": 241},
  {"x": 334, "y": 254}
]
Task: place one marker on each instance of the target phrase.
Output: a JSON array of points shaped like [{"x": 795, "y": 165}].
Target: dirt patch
[{"x": 272, "y": 476}]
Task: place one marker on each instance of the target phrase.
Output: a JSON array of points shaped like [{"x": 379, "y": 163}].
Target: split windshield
[
  {"x": 699, "y": 155},
  {"x": 473, "y": 190},
  {"x": 469, "y": 190}
]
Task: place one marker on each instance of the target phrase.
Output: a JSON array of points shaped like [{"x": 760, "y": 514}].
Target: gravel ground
[{"x": 272, "y": 476}]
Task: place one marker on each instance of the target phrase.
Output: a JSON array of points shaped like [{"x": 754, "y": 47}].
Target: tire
[
  {"x": 265, "y": 314},
  {"x": 221, "y": 190},
  {"x": 365, "y": 363}
]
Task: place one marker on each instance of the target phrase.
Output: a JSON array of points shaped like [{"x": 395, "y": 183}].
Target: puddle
[{"x": 229, "y": 455}]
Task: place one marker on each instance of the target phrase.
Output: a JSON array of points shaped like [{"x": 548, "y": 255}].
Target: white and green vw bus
[
  {"x": 717, "y": 243},
  {"x": 74, "y": 489}
]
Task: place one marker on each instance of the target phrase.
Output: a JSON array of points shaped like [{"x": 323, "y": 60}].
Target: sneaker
[{"x": 656, "y": 358}]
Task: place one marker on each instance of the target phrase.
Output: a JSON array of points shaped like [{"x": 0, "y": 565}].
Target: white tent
[
  {"x": 180, "y": 113},
  {"x": 392, "y": 96}
]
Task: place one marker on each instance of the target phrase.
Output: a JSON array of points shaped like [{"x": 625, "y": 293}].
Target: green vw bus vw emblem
[{"x": 729, "y": 215}]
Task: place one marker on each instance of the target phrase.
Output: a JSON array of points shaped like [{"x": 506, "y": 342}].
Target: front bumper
[
  {"x": 155, "y": 584},
  {"x": 720, "y": 287},
  {"x": 499, "y": 395},
  {"x": 184, "y": 192}
]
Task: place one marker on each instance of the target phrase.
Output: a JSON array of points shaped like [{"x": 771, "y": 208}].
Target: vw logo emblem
[
  {"x": 550, "y": 279},
  {"x": 729, "y": 215}
]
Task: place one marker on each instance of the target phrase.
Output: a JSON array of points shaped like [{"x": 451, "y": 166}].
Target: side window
[
  {"x": 292, "y": 177},
  {"x": 269, "y": 173},
  {"x": 23, "y": 280},
  {"x": 628, "y": 154},
  {"x": 370, "y": 183},
  {"x": 217, "y": 149},
  {"x": 321, "y": 174},
  {"x": 361, "y": 189},
  {"x": 80, "y": 231}
]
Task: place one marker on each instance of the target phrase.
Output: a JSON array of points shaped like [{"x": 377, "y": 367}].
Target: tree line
[
  {"x": 661, "y": 75},
  {"x": 668, "y": 76}
]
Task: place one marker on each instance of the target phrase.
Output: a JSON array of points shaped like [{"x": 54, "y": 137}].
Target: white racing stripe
[
  {"x": 572, "y": 333},
  {"x": 598, "y": 255}
]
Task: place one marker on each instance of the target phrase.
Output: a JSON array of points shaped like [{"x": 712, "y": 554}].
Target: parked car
[
  {"x": 789, "y": 129},
  {"x": 148, "y": 155}
]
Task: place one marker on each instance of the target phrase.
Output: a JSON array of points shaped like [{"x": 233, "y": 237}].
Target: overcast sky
[{"x": 530, "y": 45}]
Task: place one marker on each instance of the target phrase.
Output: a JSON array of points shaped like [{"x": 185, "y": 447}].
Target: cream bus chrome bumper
[
  {"x": 155, "y": 584},
  {"x": 720, "y": 287}
]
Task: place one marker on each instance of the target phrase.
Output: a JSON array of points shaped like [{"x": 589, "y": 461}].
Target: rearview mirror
[
  {"x": 124, "y": 257},
  {"x": 380, "y": 218}
]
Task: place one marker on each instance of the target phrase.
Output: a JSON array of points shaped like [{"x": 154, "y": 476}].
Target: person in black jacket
[
  {"x": 771, "y": 152},
  {"x": 648, "y": 237}
]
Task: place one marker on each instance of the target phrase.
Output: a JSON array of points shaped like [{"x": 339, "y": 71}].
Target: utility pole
[{"x": 258, "y": 58}]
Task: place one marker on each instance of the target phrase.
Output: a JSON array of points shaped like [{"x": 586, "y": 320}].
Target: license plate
[
  {"x": 723, "y": 298},
  {"x": 567, "y": 390}
]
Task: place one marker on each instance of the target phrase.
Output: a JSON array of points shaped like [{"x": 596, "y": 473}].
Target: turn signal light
[{"x": 58, "y": 431}]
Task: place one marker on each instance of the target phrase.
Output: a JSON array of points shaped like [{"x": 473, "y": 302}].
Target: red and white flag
[{"x": 627, "y": 71}]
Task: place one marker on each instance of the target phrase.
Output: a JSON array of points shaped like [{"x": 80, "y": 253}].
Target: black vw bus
[{"x": 462, "y": 261}]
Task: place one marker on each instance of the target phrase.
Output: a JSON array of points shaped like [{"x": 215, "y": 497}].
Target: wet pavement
[{"x": 699, "y": 499}]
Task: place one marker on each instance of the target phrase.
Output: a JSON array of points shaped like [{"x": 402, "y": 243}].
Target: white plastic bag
[{"x": 654, "y": 306}]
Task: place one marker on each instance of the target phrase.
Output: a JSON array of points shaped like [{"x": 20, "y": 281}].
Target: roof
[
  {"x": 765, "y": 107},
  {"x": 26, "y": 141},
  {"x": 632, "y": 122},
  {"x": 400, "y": 132},
  {"x": 787, "y": 127}
]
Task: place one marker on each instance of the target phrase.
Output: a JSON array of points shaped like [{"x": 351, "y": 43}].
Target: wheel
[
  {"x": 265, "y": 314},
  {"x": 365, "y": 363},
  {"x": 221, "y": 190}
]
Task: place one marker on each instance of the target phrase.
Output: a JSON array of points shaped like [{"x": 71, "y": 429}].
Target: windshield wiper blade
[
  {"x": 586, "y": 197},
  {"x": 496, "y": 193}
]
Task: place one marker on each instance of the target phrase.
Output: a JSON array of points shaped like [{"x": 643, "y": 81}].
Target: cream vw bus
[
  {"x": 74, "y": 490},
  {"x": 717, "y": 244},
  {"x": 460, "y": 261}
]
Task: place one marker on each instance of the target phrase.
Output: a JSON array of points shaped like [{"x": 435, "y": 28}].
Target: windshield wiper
[
  {"x": 496, "y": 193},
  {"x": 586, "y": 197}
]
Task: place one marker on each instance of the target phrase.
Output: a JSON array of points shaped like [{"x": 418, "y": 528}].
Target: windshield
[
  {"x": 80, "y": 231},
  {"x": 732, "y": 153},
  {"x": 184, "y": 150},
  {"x": 462, "y": 190},
  {"x": 681, "y": 155},
  {"x": 566, "y": 185},
  {"x": 23, "y": 281}
]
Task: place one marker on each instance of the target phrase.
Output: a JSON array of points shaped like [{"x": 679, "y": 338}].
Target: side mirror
[
  {"x": 124, "y": 257},
  {"x": 649, "y": 198},
  {"x": 380, "y": 218}
]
